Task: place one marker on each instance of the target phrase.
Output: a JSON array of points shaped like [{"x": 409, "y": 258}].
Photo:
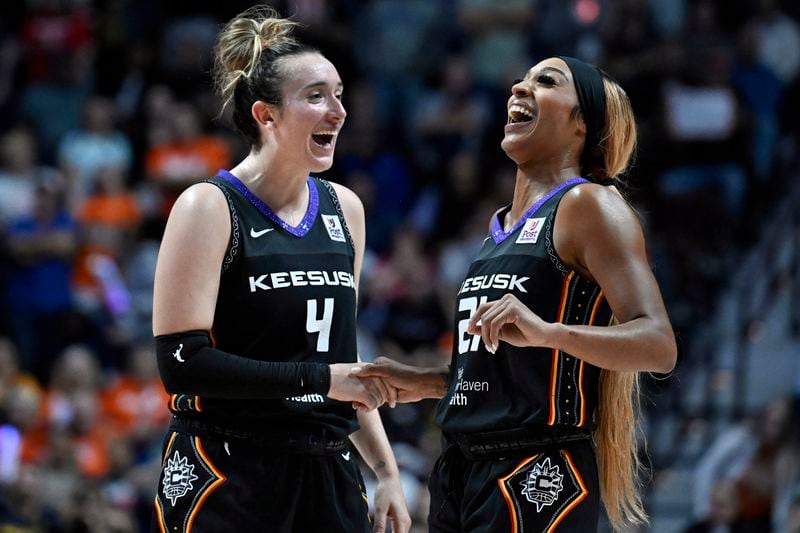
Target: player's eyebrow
[
  {"x": 547, "y": 69},
  {"x": 339, "y": 85}
]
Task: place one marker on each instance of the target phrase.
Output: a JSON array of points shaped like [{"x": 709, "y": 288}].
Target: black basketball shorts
[
  {"x": 215, "y": 484},
  {"x": 554, "y": 489}
]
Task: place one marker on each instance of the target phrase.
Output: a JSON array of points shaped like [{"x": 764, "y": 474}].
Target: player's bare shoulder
[
  {"x": 591, "y": 215},
  {"x": 201, "y": 199},
  {"x": 591, "y": 209},
  {"x": 200, "y": 218}
]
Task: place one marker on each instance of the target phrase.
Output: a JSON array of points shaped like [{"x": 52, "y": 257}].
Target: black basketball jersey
[
  {"x": 287, "y": 293},
  {"x": 522, "y": 387}
]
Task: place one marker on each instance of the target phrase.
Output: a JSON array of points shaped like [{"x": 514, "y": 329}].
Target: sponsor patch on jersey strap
[
  {"x": 334, "y": 227},
  {"x": 542, "y": 490},
  {"x": 530, "y": 231}
]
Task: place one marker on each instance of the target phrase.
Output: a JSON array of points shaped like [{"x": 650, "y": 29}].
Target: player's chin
[
  {"x": 320, "y": 162},
  {"x": 320, "y": 165}
]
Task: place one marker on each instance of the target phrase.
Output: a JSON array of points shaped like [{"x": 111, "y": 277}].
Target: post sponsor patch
[
  {"x": 530, "y": 231},
  {"x": 334, "y": 227}
]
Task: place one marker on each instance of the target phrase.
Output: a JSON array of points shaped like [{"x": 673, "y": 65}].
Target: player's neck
[
  {"x": 530, "y": 188},
  {"x": 280, "y": 185}
]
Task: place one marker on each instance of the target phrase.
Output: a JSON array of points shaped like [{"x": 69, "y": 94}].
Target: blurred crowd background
[{"x": 107, "y": 114}]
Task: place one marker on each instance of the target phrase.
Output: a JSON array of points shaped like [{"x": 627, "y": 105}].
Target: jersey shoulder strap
[
  {"x": 338, "y": 206},
  {"x": 233, "y": 242}
]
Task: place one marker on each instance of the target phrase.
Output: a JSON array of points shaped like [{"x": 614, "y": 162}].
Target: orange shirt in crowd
[
  {"x": 90, "y": 448},
  {"x": 182, "y": 162},
  {"x": 120, "y": 211},
  {"x": 128, "y": 403},
  {"x": 177, "y": 165}
]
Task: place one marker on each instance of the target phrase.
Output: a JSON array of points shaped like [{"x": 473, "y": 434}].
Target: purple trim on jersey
[
  {"x": 298, "y": 231},
  {"x": 497, "y": 229}
]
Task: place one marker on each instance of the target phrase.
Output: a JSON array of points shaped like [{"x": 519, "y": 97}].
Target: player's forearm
[
  {"x": 433, "y": 382},
  {"x": 189, "y": 364},
  {"x": 373, "y": 445},
  {"x": 638, "y": 345}
]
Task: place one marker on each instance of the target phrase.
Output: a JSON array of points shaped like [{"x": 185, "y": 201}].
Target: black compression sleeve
[{"x": 188, "y": 364}]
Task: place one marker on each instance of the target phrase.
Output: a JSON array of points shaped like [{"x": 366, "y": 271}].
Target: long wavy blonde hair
[{"x": 616, "y": 435}]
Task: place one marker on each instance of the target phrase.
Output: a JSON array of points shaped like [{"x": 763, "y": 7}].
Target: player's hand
[
  {"x": 507, "y": 320},
  {"x": 390, "y": 504},
  {"x": 365, "y": 394},
  {"x": 404, "y": 380}
]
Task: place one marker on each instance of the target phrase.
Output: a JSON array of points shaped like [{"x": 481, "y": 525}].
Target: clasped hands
[{"x": 370, "y": 385}]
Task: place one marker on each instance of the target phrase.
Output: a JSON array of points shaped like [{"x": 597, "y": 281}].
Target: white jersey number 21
[{"x": 468, "y": 343}]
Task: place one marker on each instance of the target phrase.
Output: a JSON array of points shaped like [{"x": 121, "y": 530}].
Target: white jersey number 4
[{"x": 321, "y": 326}]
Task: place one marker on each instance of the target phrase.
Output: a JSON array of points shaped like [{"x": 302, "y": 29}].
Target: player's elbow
[
  {"x": 179, "y": 358},
  {"x": 665, "y": 353},
  {"x": 172, "y": 379}
]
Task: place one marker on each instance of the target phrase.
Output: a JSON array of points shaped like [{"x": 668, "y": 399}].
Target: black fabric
[
  {"x": 588, "y": 82},
  {"x": 213, "y": 484},
  {"x": 300, "y": 439},
  {"x": 188, "y": 364},
  {"x": 546, "y": 489},
  {"x": 288, "y": 296},
  {"x": 494, "y": 444},
  {"x": 522, "y": 387}
]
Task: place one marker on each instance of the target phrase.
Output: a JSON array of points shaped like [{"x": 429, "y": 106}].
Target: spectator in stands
[
  {"x": 19, "y": 174},
  {"x": 85, "y": 152},
  {"x": 496, "y": 39},
  {"x": 109, "y": 220},
  {"x": 746, "y": 455},
  {"x": 134, "y": 402},
  {"x": 793, "y": 521},
  {"x": 723, "y": 513},
  {"x": 41, "y": 246},
  {"x": 188, "y": 154},
  {"x": 450, "y": 117}
]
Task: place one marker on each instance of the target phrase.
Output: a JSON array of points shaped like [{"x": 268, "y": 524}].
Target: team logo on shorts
[
  {"x": 334, "y": 227},
  {"x": 530, "y": 231},
  {"x": 178, "y": 477},
  {"x": 542, "y": 484}
]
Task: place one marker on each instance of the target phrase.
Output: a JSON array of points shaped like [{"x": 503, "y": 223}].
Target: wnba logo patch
[
  {"x": 178, "y": 477},
  {"x": 530, "y": 231},
  {"x": 542, "y": 485},
  {"x": 334, "y": 227}
]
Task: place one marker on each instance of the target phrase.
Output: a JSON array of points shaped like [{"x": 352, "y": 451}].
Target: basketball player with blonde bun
[{"x": 254, "y": 315}]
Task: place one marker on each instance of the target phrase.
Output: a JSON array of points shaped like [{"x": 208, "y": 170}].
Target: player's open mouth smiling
[
  {"x": 324, "y": 138},
  {"x": 519, "y": 114}
]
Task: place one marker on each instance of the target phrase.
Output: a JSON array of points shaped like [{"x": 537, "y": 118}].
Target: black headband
[{"x": 588, "y": 82}]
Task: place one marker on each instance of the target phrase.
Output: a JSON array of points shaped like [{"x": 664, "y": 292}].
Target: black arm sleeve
[{"x": 188, "y": 364}]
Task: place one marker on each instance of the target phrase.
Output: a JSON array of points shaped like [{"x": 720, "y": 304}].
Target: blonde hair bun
[{"x": 241, "y": 42}]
